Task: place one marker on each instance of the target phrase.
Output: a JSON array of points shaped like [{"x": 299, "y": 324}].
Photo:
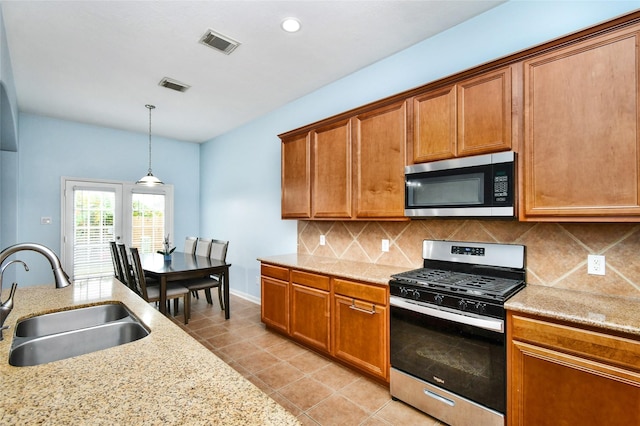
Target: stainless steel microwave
[{"x": 482, "y": 185}]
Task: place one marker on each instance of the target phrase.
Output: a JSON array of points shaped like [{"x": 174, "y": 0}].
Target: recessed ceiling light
[{"x": 291, "y": 25}]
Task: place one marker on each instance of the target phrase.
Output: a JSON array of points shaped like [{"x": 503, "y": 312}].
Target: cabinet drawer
[
  {"x": 320, "y": 282},
  {"x": 275, "y": 272},
  {"x": 612, "y": 350},
  {"x": 361, "y": 291}
]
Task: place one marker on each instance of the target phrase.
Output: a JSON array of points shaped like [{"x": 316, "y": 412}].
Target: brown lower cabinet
[
  {"x": 343, "y": 319},
  {"x": 564, "y": 374}
]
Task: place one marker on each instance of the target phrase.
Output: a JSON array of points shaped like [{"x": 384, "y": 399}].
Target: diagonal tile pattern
[
  {"x": 313, "y": 388},
  {"x": 556, "y": 252}
]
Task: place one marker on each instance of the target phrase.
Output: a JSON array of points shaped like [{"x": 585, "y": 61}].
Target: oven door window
[{"x": 462, "y": 359}]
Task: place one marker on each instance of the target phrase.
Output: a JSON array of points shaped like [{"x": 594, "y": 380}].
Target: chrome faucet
[
  {"x": 7, "y": 305},
  {"x": 60, "y": 277}
]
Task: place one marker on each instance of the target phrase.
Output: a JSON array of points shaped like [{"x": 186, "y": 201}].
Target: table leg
[
  {"x": 163, "y": 294},
  {"x": 227, "y": 306}
]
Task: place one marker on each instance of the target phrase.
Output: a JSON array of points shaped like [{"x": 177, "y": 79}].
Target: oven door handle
[{"x": 491, "y": 324}]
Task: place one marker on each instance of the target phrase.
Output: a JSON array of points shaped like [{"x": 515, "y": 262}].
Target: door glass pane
[
  {"x": 93, "y": 230},
  {"x": 147, "y": 222}
]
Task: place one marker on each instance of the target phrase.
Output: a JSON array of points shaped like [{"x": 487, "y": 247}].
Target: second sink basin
[
  {"x": 55, "y": 347},
  {"x": 74, "y": 319},
  {"x": 65, "y": 334}
]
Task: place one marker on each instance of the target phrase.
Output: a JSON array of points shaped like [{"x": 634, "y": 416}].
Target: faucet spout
[{"x": 61, "y": 278}]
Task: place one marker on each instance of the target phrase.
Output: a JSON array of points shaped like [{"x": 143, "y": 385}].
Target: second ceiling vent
[{"x": 219, "y": 42}]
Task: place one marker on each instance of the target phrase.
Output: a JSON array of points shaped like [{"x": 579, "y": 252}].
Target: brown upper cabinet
[
  {"x": 471, "y": 117},
  {"x": 332, "y": 161},
  {"x": 581, "y": 158},
  {"x": 363, "y": 155},
  {"x": 380, "y": 141},
  {"x": 296, "y": 177}
]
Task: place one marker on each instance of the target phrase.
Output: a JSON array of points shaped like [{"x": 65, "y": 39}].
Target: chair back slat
[
  {"x": 203, "y": 247},
  {"x": 126, "y": 266},
  {"x": 190, "y": 244},
  {"x": 219, "y": 250},
  {"x": 140, "y": 284},
  {"x": 115, "y": 258}
]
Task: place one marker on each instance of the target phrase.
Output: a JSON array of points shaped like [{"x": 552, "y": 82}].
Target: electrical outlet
[
  {"x": 323, "y": 240},
  {"x": 385, "y": 245},
  {"x": 595, "y": 265}
]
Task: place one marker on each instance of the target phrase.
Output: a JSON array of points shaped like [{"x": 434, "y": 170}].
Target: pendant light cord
[{"x": 150, "y": 107}]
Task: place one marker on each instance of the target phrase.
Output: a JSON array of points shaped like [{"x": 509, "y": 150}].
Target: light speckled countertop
[
  {"x": 164, "y": 378},
  {"x": 369, "y": 272},
  {"x": 610, "y": 313},
  {"x": 620, "y": 314}
]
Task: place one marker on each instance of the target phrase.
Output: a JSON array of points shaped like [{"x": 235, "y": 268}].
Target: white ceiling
[{"x": 100, "y": 62}]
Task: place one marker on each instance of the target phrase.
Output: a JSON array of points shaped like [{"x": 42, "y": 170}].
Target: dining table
[{"x": 185, "y": 266}]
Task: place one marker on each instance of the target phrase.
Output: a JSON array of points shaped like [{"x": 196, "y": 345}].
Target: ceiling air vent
[
  {"x": 219, "y": 42},
  {"x": 173, "y": 85}
]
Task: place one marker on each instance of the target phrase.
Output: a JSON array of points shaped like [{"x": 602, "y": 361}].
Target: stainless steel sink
[
  {"x": 74, "y": 319},
  {"x": 60, "y": 335}
]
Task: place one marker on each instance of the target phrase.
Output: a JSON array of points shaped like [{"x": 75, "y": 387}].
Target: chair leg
[
  {"x": 176, "y": 301},
  {"x": 187, "y": 307},
  {"x": 195, "y": 294},
  {"x": 220, "y": 298},
  {"x": 207, "y": 292}
]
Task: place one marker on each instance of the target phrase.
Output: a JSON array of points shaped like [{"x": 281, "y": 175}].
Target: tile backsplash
[{"x": 556, "y": 253}]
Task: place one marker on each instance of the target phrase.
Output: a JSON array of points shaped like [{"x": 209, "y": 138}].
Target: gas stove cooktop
[{"x": 464, "y": 276}]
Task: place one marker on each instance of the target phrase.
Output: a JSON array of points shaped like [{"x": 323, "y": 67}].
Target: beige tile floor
[{"x": 313, "y": 388}]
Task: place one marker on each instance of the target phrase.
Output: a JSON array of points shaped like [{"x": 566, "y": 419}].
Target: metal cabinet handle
[{"x": 355, "y": 308}]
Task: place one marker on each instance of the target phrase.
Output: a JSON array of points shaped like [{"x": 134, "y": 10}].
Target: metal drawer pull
[
  {"x": 439, "y": 398},
  {"x": 355, "y": 308}
]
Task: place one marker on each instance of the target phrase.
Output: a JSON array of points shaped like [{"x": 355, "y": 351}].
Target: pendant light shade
[{"x": 149, "y": 179}]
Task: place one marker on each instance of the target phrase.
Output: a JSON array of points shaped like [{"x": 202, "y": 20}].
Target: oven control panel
[{"x": 452, "y": 301}]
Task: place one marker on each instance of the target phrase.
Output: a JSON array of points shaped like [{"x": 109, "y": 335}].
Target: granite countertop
[
  {"x": 164, "y": 378},
  {"x": 612, "y": 313},
  {"x": 369, "y": 272},
  {"x": 619, "y": 314}
]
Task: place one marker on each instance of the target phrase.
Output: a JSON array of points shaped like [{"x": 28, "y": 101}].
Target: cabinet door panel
[
  {"x": 310, "y": 316},
  {"x": 550, "y": 386},
  {"x": 275, "y": 303},
  {"x": 360, "y": 335},
  {"x": 434, "y": 125},
  {"x": 296, "y": 177},
  {"x": 582, "y": 150},
  {"x": 484, "y": 114},
  {"x": 380, "y": 138},
  {"x": 332, "y": 171}
]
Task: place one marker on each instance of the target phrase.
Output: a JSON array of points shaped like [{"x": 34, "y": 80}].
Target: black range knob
[
  {"x": 438, "y": 298},
  {"x": 462, "y": 305},
  {"x": 480, "y": 307}
]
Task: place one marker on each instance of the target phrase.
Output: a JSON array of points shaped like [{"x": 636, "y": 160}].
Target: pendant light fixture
[{"x": 149, "y": 179}]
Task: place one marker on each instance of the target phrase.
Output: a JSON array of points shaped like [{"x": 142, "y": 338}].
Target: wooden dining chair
[
  {"x": 127, "y": 270},
  {"x": 190, "y": 244},
  {"x": 218, "y": 252},
  {"x": 115, "y": 258},
  {"x": 152, "y": 293},
  {"x": 203, "y": 247}
]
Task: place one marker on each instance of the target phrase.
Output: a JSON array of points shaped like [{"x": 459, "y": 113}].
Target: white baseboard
[{"x": 245, "y": 296}]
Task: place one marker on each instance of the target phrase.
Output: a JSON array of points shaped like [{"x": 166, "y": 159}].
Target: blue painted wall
[
  {"x": 240, "y": 180},
  {"x": 52, "y": 148}
]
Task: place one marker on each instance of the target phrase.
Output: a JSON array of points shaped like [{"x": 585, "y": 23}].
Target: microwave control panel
[{"x": 502, "y": 183}]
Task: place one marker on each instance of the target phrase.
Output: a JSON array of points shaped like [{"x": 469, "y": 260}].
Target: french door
[{"x": 96, "y": 213}]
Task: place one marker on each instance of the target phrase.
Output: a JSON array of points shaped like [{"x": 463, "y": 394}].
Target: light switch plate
[
  {"x": 385, "y": 245},
  {"x": 323, "y": 240}
]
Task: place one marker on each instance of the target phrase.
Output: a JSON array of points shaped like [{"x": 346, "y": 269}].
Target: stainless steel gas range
[{"x": 447, "y": 330}]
